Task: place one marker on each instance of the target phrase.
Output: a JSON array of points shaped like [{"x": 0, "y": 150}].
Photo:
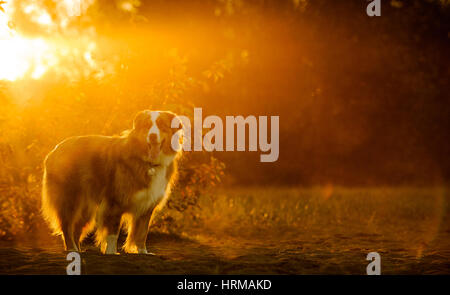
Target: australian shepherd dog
[{"x": 110, "y": 182}]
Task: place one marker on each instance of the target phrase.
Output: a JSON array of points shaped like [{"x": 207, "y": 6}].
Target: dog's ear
[{"x": 141, "y": 120}]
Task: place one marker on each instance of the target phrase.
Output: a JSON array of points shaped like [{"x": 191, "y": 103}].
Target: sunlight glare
[{"x": 33, "y": 56}]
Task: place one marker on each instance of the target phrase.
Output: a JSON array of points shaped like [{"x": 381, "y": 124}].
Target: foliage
[{"x": 30, "y": 130}]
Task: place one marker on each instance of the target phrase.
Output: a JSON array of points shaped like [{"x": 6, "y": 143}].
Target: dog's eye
[
  {"x": 162, "y": 125},
  {"x": 142, "y": 121},
  {"x": 145, "y": 125}
]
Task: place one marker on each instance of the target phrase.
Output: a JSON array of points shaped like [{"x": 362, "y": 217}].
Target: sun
[
  {"x": 32, "y": 57},
  {"x": 20, "y": 56}
]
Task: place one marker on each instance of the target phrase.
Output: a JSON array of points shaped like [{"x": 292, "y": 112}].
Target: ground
[{"x": 324, "y": 230}]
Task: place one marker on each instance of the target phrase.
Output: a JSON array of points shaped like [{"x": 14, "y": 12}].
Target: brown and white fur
[{"x": 111, "y": 181}]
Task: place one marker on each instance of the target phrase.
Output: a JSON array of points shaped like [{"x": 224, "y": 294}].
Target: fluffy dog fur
[{"x": 108, "y": 182}]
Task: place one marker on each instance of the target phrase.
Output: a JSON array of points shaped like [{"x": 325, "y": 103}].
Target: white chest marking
[{"x": 151, "y": 196}]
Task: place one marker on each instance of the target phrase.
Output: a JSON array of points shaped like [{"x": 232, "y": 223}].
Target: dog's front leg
[
  {"x": 108, "y": 223},
  {"x": 137, "y": 234}
]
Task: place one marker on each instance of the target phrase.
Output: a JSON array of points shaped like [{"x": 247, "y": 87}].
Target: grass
[
  {"x": 383, "y": 219},
  {"x": 370, "y": 209}
]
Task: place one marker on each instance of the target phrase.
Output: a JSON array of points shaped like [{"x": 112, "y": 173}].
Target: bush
[{"x": 57, "y": 110}]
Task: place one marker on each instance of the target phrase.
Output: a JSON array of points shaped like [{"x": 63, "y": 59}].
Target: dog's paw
[{"x": 144, "y": 251}]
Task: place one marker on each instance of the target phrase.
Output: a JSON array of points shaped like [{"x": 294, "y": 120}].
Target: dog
[{"x": 110, "y": 182}]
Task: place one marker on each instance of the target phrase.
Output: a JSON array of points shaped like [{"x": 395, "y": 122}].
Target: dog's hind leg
[
  {"x": 84, "y": 225},
  {"x": 81, "y": 229},
  {"x": 68, "y": 236},
  {"x": 67, "y": 216},
  {"x": 78, "y": 230}
]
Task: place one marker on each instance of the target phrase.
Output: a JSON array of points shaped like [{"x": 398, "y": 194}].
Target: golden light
[
  {"x": 19, "y": 56},
  {"x": 129, "y": 5},
  {"x": 23, "y": 56},
  {"x": 44, "y": 19}
]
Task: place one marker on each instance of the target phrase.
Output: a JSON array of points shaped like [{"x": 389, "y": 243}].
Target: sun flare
[{"x": 32, "y": 56}]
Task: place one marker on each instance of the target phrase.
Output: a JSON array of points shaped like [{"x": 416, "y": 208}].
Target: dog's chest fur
[{"x": 157, "y": 189}]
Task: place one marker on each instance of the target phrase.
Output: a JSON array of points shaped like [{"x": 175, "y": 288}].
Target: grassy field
[{"x": 323, "y": 230}]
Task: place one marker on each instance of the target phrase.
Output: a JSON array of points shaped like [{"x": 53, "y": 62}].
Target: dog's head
[{"x": 156, "y": 134}]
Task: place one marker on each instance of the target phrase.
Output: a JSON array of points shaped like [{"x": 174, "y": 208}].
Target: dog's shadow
[{"x": 168, "y": 254}]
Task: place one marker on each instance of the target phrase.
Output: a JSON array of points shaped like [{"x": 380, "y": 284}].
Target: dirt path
[
  {"x": 175, "y": 255},
  {"x": 295, "y": 232}
]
